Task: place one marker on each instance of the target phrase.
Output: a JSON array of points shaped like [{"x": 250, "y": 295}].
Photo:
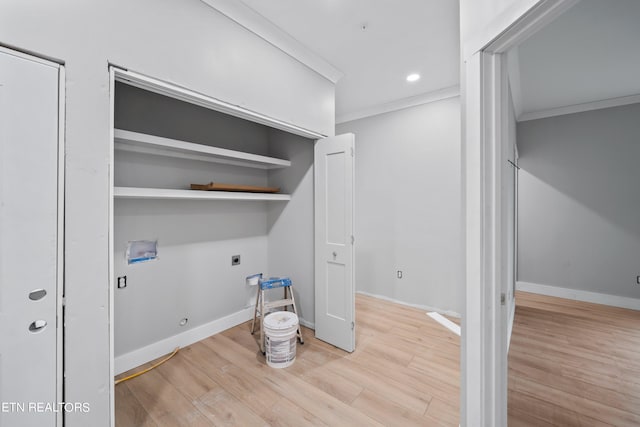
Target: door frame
[
  {"x": 484, "y": 325},
  {"x": 61, "y": 220},
  {"x": 60, "y": 223}
]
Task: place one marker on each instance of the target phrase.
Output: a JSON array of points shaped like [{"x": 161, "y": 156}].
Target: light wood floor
[
  {"x": 404, "y": 372},
  {"x": 573, "y": 364}
]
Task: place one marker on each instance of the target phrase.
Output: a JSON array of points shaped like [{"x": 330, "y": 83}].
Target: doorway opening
[{"x": 492, "y": 85}]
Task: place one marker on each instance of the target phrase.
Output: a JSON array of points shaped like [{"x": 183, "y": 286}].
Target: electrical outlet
[
  {"x": 235, "y": 260},
  {"x": 399, "y": 274},
  {"x": 122, "y": 282}
]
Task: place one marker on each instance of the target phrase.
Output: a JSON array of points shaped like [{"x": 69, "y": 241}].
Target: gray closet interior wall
[{"x": 193, "y": 277}]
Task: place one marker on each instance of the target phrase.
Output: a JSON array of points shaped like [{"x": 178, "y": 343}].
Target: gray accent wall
[
  {"x": 290, "y": 225},
  {"x": 408, "y": 204},
  {"x": 579, "y": 201},
  {"x": 193, "y": 277}
]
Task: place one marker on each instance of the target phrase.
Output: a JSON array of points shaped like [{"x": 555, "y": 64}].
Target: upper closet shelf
[
  {"x": 149, "y": 144},
  {"x": 171, "y": 194}
]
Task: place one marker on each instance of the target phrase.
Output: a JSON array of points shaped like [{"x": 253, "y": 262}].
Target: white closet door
[
  {"x": 334, "y": 242},
  {"x": 28, "y": 241}
]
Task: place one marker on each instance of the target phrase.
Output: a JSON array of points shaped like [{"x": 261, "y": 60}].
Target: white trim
[
  {"x": 111, "y": 278},
  {"x": 481, "y": 310},
  {"x": 145, "y": 354},
  {"x": 420, "y": 306},
  {"x": 528, "y": 23},
  {"x": 580, "y": 108},
  {"x": 444, "y": 322},
  {"x": 151, "y": 144},
  {"x": 30, "y": 57},
  {"x": 248, "y": 18},
  {"x": 187, "y": 95},
  {"x": 484, "y": 343},
  {"x": 580, "y": 295},
  {"x": 60, "y": 238},
  {"x": 493, "y": 224},
  {"x": 400, "y": 104}
]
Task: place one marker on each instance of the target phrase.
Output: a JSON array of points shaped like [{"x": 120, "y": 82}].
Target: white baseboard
[
  {"x": 453, "y": 327},
  {"x": 145, "y": 354},
  {"x": 580, "y": 295},
  {"x": 420, "y": 306}
]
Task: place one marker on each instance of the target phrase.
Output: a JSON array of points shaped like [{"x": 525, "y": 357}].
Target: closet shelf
[
  {"x": 170, "y": 194},
  {"x": 125, "y": 140}
]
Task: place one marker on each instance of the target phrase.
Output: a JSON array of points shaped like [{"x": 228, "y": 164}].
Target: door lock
[{"x": 37, "y": 326}]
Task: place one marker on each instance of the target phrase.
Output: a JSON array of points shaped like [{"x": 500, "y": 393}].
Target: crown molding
[
  {"x": 580, "y": 108},
  {"x": 400, "y": 104},
  {"x": 248, "y": 18}
]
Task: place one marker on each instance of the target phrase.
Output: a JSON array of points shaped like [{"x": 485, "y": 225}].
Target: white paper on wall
[{"x": 141, "y": 251}]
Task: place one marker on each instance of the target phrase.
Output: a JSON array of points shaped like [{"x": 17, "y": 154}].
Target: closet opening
[{"x": 192, "y": 285}]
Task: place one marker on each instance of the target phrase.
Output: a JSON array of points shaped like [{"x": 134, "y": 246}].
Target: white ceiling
[
  {"x": 590, "y": 53},
  {"x": 401, "y": 37}
]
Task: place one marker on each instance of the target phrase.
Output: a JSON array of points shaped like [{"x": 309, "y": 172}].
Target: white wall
[
  {"x": 408, "y": 204},
  {"x": 579, "y": 201},
  {"x": 181, "y": 41}
]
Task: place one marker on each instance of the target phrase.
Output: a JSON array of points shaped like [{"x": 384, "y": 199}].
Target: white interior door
[
  {"x": 29, "y": 241},
  {"x": 334, "y": 241}
]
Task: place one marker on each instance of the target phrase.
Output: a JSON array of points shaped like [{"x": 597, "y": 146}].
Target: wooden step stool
[{"x": 263, "y": 307}]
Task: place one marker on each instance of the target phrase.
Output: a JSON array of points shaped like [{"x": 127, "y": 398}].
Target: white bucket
[{"x": 280, "y": 330}]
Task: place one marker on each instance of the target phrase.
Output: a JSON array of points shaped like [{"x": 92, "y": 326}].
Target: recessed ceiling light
[{"x": 413, "y": 77}]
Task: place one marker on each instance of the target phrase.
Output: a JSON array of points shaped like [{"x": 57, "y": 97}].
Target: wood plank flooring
[
  {"x": 573, "y": 364},
  {"x": 404, "y": 372},
  {"x": 570, "y": 364}
]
